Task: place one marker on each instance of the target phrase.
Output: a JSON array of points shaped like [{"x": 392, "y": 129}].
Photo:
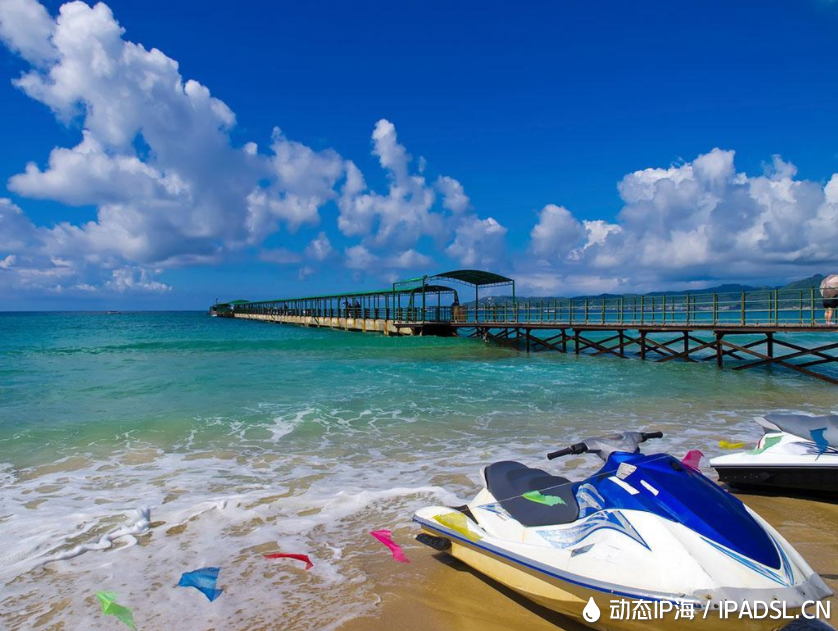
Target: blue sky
[{"x": 576, "y": 146}]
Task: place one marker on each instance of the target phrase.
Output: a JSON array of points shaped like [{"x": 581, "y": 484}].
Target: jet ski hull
[
  {"x": 805, "y": 464},
  {"x": 806, "y": 480},
  {"x": 569, "y": 597}
]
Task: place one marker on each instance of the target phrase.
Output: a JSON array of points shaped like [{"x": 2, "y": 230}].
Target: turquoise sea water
[{"x": 137, "y": 446}]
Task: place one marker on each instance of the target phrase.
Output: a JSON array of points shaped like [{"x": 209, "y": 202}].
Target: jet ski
[
  {"x": 644, "y": 529},
  {"x": 797, "y": 453}
]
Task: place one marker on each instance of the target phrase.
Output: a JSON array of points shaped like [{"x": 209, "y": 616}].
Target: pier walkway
[{"x": 743, "y": 330}]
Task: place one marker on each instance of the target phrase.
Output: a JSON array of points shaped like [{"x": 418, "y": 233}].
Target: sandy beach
[{"x": 447, "y": 595}]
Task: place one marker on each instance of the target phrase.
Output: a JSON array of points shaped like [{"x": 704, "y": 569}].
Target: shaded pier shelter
[{"x": 475, "y": 279}]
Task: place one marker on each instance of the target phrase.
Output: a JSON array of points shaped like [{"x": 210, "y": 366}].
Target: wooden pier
[{"x": 739, "y": 331}]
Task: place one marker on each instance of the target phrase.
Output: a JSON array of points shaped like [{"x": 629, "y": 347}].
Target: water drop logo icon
[{"x": 591, "y": 612}]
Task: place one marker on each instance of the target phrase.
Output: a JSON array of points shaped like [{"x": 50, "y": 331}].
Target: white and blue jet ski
[
  {"x": 643, "y": 529},
  {"x": 797, "y": 454}
]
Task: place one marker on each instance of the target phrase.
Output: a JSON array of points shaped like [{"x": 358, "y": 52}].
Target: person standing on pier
[{"x": 829, "y": 291}]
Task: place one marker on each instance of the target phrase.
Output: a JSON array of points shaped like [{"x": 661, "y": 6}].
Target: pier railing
[
  {"x": 398, "y": 314},
  {"x": 754, "y": 308}
]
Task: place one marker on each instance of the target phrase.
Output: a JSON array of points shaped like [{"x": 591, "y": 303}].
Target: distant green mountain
[
  {"x": 806, "y": 283},
  {"x": 726, "y": 288}
]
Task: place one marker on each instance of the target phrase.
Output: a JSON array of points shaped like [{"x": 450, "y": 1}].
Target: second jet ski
[{"x": 797, "y": 453}]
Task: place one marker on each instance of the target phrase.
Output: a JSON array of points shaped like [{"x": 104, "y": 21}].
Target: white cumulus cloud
[
  {"x": 411, "y": 209},
  {"x": 401, "y": 216},
  {"x": 319, "y": 248},
  {"x": 156, "y": 156},
  {"x": 557, "y": 232},
  {"x": 701, "y": 219},
  {"x": 409, "y": 259},
  {"x": 360, "y": 258},
  {"x": 478, "y": 242},
  {"x": 454, "y": 197},
  {"x": 26, "y": 28}
]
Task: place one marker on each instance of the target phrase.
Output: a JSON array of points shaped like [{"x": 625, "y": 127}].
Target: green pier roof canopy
[{"x": 475, "y": 277}]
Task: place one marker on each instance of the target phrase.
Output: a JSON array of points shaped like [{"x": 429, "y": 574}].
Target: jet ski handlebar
[
  {"x": 635, "y": 438},
  {"x": 578, "y": 448}
]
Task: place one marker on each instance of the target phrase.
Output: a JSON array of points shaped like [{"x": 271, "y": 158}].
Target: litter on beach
[
  {"x": 386, "y": 537},
  {"x": 288, "y": 555},
  {"x": 111, "y": 608},
  {"x": 203, "y": 580},
  {"x": 692, "y": 459}
]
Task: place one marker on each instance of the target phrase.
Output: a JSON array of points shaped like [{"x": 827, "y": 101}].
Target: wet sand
[{"x": 446, "y": 595}]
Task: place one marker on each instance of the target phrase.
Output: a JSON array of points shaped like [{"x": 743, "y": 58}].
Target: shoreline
[{"x": 446, "y": 594}]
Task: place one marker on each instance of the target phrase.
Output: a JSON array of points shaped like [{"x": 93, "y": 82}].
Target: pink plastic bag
[
  {"x": 385, "y": 537},
  {"x": 692, "y": 459}
]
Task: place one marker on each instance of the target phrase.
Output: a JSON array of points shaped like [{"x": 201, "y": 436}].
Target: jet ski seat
[{"x": 509, "y": 480}]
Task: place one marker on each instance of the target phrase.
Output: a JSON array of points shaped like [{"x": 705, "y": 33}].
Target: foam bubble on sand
[{"x": 138, "y": 525}]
